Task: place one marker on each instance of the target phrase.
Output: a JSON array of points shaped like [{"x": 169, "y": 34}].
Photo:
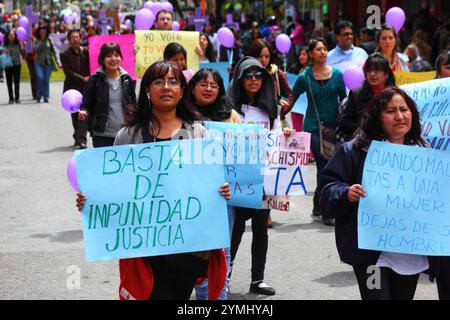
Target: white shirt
[{"x": 402, "y": 263}]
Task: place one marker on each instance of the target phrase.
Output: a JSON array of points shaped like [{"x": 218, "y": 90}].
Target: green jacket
[{"x": 327, "y": 98}]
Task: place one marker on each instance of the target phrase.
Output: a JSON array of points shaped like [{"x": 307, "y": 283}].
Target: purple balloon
[
  {"x": 396, "y": 18},
  {"x": 225, "y": 37},
  {"x": 72, "y": 174},
  {"x": 74, "y": 17},
  {"x": 167, "y": 6},
  {"x": 353, "y": 77},
  {"x": 21, "y": 34},
  {"x": 121, "y": 17},
  {"x": 144, "y": 19},
  {"x": 283, "y": 43},
  {"x": 156, "y": 7},
  {"x": 175, "y": 26},
  {"x": 68, "y": 18},
  {"x": 71, "y": 100},
  {"x": 128, "y": 24},
  {"x": 1, "y": 37},
  {"x": 148, "y": 5},
  {"x": 23, "y": 22}
]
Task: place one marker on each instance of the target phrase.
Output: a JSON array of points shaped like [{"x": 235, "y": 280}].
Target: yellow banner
[
  {"x": 413, "y": 77},
  {"x": 153, "y": 42}
]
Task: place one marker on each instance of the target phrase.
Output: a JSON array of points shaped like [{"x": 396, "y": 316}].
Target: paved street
[{"x": 41, "y": 242}]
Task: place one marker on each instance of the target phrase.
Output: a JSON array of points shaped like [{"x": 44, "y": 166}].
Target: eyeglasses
[
  {"x": 347, "y": 34},
  {"x": 250, "y": 74},
  {"x": 172, "y": 83},
  {"x": 205, "y": 85}
]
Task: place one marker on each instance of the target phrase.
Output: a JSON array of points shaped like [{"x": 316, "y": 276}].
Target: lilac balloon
[
  {"x": 396, "y": 18},
  {"x": 23, "y": 22},
  {"x": 156, "y": 7},
  {"x": 283, "y": 43},
  {"x": 121, "y": 17},
  {"x": 1, "y": 37},
  {"x": 144, "y": 19},
  {"x": 74, "y": 17},
  {"x": 353, "y": 77},
  {"x": 175, "y": 26},
  {"x": 68, "y": 18},
  {"x": 148, "y": 5},
  {"x": 167, "y": 6},
  {"x": 21, "y": 34},
  {"x": 225, "y": 37},
  {"x": 72, "y": 174},
  {"x": 128, "y": 24},
  {"x": 71, "y": 100}
]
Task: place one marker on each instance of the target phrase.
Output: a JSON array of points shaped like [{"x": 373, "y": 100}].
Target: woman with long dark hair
[
  {"x": 206, "y": 91},
  {"x": 165, "y": 113},
  {"x": 392, "y": 116},
  {"x": 378, "y": 75},
  {"x": 325, "y": 89}
]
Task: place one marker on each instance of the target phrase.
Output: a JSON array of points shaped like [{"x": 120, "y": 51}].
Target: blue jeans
[
  {"x": 201, "y": 290},
  {"x": 320, "y": 163},
  {"x": 43, "y": 72}
]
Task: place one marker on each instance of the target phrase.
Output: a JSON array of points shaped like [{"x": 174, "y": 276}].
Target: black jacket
[
  {"x": 357, "y": 102},
  {"x": 343, "y": 170},
  {"x": 96, "y": 99}
]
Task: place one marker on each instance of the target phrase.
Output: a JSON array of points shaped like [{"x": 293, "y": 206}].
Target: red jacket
[{"x": 136, "y": 277}]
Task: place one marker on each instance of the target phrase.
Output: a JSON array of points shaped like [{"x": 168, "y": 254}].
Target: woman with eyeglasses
[
  {"x": 207, "y": 94},
  {"x": 108, "y": 98},
  {"x": 325, "y": 89},
  {"x": 165, "y": 113},
  {"x": 388, "y": 45},
  {"x": 252, "y": 91}
]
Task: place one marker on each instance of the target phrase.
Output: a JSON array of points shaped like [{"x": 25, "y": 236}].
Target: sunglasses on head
[{"x": 250, "y": 74}]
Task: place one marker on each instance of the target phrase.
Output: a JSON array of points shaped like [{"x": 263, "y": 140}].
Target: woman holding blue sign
[
  {"x": 164, "y": 113},
  {"x": 207, "y": 93},
  {"x": 392, "y": 116}
]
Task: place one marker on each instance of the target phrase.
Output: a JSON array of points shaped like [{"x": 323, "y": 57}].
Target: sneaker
[
  {"x": 18, "y": 101},
  {"x": 260, "y": 287},
  {"x": 82, "y": 146},
  {"x": 45, "y": 100},
  {"x": 328, "y": 222},
  {"x": 11, "y": 101},
  {"x": 38, "y": 100}
]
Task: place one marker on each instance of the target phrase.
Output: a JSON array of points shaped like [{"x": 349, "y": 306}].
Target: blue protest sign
[
  {"x": 406, "y": 209},
  {"x": 432, "y": 99},
  {"x": 150, "y": 199},
  {"x": 221, "y": 67},
  {"x": 244, "y": 147}
]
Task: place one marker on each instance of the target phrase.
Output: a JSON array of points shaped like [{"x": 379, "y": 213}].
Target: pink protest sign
[
  {"x": 298, "y": 142},
  {"x": 125, "y": 42}
]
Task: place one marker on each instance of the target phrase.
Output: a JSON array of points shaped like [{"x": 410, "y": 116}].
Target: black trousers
[
  {"x": 79, "y": 129},
  {"x": 443, "y": 279},
  {"x": 174, "y": 276},
  {"x": 13, "y": 76},
  {"x": 260, "y": 237},
  {"x": 392, "y": 286},
  {"x": 99, "y": 142}
]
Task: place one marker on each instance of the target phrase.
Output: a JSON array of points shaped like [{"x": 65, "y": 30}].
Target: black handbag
[{"x": 327, "y": 135}]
